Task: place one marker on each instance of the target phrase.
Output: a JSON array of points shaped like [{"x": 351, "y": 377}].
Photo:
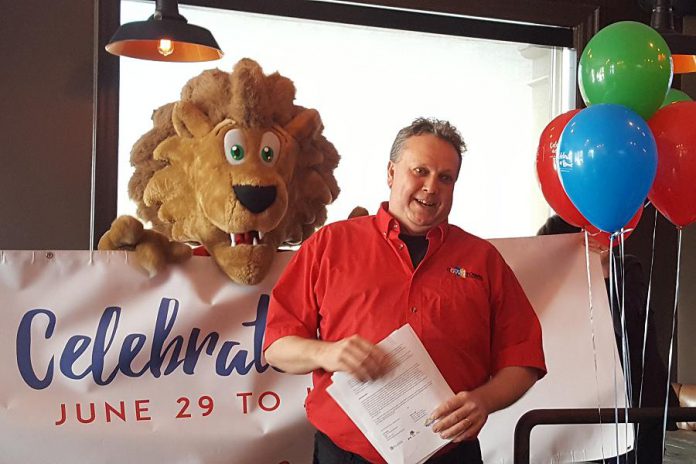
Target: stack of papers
[{"x": 393, "y": 411}]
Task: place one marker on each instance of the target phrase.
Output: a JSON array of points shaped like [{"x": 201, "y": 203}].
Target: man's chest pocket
[{"x": 460, "y": 302}]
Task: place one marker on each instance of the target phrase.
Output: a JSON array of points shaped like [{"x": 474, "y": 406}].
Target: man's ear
[{"x": 390, "y": 173}]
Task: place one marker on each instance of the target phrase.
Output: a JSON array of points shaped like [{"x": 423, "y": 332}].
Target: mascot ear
[
  {"x": 306, "y": 125},
  {"x": 189, "y": 121}
]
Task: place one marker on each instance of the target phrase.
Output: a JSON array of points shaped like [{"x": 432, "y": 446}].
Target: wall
[{"x": 45, "y": 124}]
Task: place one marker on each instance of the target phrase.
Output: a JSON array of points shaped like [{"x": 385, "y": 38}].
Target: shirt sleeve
[
  {"x": 293, "y": 309},
  {"x": 515, "y": 331}
]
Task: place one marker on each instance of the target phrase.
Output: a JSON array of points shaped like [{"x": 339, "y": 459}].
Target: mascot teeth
[{"x": 251, "y": 237}]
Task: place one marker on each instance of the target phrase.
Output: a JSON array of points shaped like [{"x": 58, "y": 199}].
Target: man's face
[{"x": 422, "y": 183}]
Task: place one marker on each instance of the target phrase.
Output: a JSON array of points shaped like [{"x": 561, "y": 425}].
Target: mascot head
[{"x": 236, "y": 167}]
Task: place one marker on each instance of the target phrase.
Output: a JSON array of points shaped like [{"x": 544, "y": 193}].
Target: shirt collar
[{"x": 387, "y": 223}]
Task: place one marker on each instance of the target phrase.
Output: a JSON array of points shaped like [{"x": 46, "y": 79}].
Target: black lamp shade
[{"x": 142, "y": 39}]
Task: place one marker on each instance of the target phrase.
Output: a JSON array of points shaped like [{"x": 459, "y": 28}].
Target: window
[{"x": 369, "y": 82}]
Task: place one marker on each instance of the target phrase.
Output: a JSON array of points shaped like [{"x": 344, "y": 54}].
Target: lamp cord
[{"x": 95, "y": 108}]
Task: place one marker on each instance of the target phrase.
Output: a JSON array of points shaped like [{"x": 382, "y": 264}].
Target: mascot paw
[
  {"x": 125, "y": 233},
  {"x": 153, "y": 251}
]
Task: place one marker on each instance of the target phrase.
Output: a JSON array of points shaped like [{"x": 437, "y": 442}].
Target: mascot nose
[{"x": 255, "y": 199}]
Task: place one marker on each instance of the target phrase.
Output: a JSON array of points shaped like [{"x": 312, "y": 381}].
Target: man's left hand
[{"x": 461, "y": 417}]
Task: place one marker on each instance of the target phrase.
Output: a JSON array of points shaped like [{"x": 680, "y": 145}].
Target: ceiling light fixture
[{"x": 165, "y": 36}]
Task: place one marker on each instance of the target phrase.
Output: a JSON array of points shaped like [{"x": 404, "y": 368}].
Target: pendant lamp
[{"x": 165, "y": 36}]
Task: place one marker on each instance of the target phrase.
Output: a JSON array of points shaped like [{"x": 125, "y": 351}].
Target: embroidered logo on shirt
[{"x": 463, "y": 273}]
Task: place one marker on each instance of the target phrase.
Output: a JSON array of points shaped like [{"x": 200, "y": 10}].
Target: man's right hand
[{"x": 355, "y": 355}]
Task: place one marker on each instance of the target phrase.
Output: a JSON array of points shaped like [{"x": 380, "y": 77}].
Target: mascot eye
[
  {"x": 267, "y": 154},
  {"x": 270, "y": 150},
  {"x": 237, "y": 152},
  {"x": 234, "y": 146}
]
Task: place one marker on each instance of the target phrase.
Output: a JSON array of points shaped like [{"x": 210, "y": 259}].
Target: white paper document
[{"x": 393, "y": 411}]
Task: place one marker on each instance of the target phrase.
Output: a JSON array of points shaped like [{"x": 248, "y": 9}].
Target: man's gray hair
[{"x": 420, "y": 126}]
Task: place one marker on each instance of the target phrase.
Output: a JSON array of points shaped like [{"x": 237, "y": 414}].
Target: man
[{"x": 354, "y": 282}]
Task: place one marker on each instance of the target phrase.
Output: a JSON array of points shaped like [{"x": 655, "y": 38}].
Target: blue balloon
[{"x": 607, "y": 159}]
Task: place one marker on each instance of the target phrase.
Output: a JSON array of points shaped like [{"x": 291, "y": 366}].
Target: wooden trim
[
  {"x": 558, "y": 13},
  {"x": 106, "y": 185},
  {"x": 438, "y": 17},
  {"x": 586, "y": 27}
]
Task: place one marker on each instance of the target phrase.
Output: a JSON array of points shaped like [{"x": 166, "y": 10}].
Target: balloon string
[
  {"x": 671, "y": 341},
  {"x": 594, "y": 342},
  {"x": 612, "y": 276},
  {"x": 625, "y": 345},
  {"x": 645, "y": 327}
]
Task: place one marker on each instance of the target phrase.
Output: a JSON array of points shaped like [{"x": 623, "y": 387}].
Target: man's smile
[{"x": 425, "y": 203}]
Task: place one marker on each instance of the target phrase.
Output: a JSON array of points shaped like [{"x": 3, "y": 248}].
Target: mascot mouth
[{"x": 252, "y": 237}]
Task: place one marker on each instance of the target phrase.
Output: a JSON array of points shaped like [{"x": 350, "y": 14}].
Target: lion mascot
[{"x": 234, "y": 166}]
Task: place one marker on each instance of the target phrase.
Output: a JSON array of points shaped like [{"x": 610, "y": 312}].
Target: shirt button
[
  {"x": 394, "y": 227},
  {"x": 413, "y": 309},
  {"x": 401, "y": 247}
]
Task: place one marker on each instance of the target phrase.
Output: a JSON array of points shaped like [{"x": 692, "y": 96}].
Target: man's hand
[
  {"x": 461, "y": 417},
  {"x": 354, "y": 355}
]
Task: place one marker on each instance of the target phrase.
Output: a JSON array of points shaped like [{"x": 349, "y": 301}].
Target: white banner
[{"x": 99, "y": 363}]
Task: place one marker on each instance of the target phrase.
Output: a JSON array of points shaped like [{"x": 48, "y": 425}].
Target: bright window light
[{"x": 367, "y": 83}]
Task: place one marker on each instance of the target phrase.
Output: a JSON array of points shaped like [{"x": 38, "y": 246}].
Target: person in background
[
  {"x": 354, "y": 282},
  {"x": 631, "y": 280}
]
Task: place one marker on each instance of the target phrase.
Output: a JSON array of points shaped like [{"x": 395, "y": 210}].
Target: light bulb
[{"x": 165, "y": 47}]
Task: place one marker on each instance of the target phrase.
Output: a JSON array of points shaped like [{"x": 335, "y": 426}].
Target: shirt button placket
[
  {"x": 413, "y": 310},
  {"x": 413, "y": 316}
]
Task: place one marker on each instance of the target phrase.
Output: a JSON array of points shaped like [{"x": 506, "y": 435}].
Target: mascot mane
[{"x": 187, "y": 185}]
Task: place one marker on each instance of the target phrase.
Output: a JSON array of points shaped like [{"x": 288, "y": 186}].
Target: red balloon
[
  {"x": 674, "y": 190},
  {"x": 603, "y": 237},
  {"x": 548, "y": 176}
]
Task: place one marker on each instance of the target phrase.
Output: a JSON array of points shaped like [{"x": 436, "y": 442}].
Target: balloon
[
  {"x": 548, "y": 176},
  {"x": 626, "y": 63},
  {"x": 674, "y": 190},
  {"x": 604, "y": 237},
  {"x": 607, "y": 160},
  {"x": 674, "y": 96}
]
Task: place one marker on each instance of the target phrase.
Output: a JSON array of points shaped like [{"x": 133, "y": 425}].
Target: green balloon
[
  {"x": 674, "y": 96},
  {"x": 627, "y": 63}
]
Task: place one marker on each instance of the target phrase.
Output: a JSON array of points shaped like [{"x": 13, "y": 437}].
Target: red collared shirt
[{"x": 356, "y": 277}]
